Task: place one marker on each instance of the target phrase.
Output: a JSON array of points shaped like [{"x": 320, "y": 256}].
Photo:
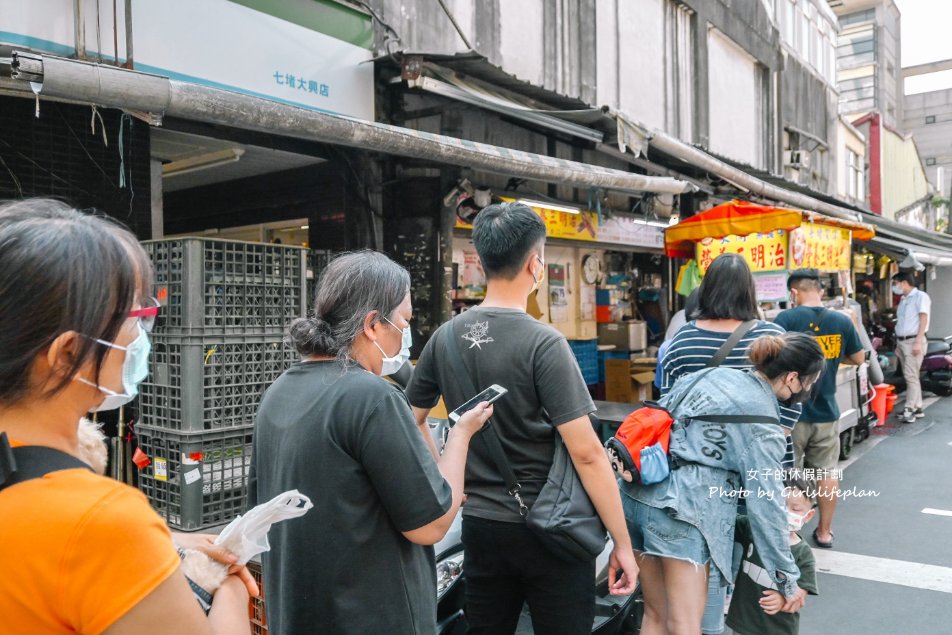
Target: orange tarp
[
  {"x": 738, "y": 218},
  {"x": 741, "y": 218}
]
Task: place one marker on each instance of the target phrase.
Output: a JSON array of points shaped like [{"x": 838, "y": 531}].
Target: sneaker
[
  {"x": 908, "y": 416},
  {"x": 919, "y": 414}
]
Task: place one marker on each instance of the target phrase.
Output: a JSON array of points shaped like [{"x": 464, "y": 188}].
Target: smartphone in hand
[{"x": 490, "y": 395}]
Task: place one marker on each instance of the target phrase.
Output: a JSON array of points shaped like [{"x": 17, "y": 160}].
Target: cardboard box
[
  {"x": 625, "y": 386},
  {"x": 626, "y": 336}
]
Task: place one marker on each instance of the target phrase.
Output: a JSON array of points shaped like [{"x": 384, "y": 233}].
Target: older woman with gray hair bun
[{"x": 362, "y": 560}]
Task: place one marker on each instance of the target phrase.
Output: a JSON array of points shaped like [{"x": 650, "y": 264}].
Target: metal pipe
[
  {"x": 115, "y": 34},
  {"x": 79, "y": 30},
  {"x": 131, "y": 90},
  {"x": 128, "y": 10},
  {"x": 699, "y": 158}
]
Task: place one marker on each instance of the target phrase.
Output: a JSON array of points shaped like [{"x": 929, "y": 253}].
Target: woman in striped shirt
[{"x": 726, "y": 299}]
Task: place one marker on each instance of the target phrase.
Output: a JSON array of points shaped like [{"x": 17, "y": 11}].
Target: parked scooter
[{"x": 935, "y": 374}]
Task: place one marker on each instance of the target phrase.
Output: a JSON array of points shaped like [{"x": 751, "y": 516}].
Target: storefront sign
[
  {"x": 763, "y": 252},
  {"x": 619, "y": 229},
  {"x": 771, "y": 287},
  {"x": 626, "y": 229},
  {"x": 220, "y": 43},
  {"x": 821, "y": 247}
]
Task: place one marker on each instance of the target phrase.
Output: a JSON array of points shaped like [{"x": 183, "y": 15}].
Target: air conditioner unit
[{"x": 796, "y": 159}]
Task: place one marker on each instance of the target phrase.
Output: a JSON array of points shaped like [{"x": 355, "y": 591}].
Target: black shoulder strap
[
  {"x": 728, "y": 346},
  {"x": 488, "y": 434},
  {"x": 32, "y": 461}
]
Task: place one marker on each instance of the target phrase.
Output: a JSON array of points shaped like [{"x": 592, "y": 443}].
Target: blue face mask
[{"x": 135, "y": 368}]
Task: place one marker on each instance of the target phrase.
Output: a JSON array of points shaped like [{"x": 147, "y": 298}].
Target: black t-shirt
[
  {"x": 348, "y": 440},
  {"x": 745, "y": 615},
  {"x": 534, "y": 362},
  {"x": 838, "y": 338}
]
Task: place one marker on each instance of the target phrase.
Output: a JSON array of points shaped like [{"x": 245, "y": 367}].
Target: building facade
[
  {"x": 928, "y": 117},
  {"x": 868, "y": 59}
]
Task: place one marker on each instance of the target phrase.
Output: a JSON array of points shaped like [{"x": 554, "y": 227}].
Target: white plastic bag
[{"x": 247, "y": 536}]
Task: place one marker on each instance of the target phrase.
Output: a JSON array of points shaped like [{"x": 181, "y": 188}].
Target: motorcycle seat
[{"x": 938, "y": 347}]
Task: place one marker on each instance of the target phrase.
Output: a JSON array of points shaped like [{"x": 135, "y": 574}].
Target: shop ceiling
[{"x": 208, "y": 160}]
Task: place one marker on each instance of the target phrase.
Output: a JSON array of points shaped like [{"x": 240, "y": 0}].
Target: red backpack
[{"x": 639, "y": 450}]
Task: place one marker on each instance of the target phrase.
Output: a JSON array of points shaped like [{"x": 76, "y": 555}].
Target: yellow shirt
[{"x": 77, "y": 551}]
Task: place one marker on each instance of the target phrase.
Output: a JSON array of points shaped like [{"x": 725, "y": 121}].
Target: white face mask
[
  {"x": 395, "y": 363},
  {"x": 536, "y": 284},
  {"x": 896, "y": 289},
  {"x": 135, "y": 368},
  {"x": 795, "y": 521}
]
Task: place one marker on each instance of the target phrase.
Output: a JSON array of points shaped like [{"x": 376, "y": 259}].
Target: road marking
[
  {"x": 910, "y": 574},
  {"x": 936, "y": 512}
]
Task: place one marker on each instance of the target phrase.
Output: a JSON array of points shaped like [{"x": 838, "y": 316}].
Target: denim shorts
[{"x": 655, "y": 533}]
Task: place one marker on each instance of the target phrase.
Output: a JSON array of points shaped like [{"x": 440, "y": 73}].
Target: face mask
[
  {"x": 795, "y": 521},
  {"x": 801, "y": 396},
  {"x": 896, "y": 289},
  {"x": 135, "y": 368},
  {"x": 793, "y": 297},
  {"x": 541, "y": 277},
  {"x": 393, "y": 364}
]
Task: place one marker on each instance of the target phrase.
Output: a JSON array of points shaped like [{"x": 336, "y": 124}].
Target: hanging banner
[
  {"x": 616, "y": 229},
  {"x": 821, "y": 247},
  {"x": 763, "y": 252},
  {"x": 771, "y": 287}
]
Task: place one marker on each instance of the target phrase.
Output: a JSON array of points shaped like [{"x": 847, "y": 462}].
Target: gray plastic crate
[
  {"x": 210, "y": 381},
  {"x": 227, "y": 285},
  {"x": 196, "y": 480}
]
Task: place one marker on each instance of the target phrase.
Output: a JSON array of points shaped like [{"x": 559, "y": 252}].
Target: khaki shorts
[{"x": 816, "y": 445}]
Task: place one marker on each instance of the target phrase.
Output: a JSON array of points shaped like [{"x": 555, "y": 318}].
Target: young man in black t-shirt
[
  {"x": 816, "y": 439},
  {"x": 506, "y": 565}
]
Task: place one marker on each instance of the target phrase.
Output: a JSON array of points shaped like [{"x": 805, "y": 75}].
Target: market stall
[
  {"x": 772, "y": 240},
  {"x": 775, "y": 241},
  {"x": 604, "y": 282}
]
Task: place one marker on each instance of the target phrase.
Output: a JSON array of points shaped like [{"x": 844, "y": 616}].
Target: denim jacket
[{"x": 718, "y": 461}]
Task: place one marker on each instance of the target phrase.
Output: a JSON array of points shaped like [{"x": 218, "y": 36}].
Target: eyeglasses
[{"x": 146, "y": 314}]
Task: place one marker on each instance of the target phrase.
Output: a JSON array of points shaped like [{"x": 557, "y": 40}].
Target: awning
[
  {"x": 898, "y": 241},
  {"x": 103, "y": 85},
  {"x": 741, "y": 218}
]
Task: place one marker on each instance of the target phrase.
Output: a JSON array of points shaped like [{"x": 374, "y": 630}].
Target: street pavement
[{"x": 890, "y": 571}]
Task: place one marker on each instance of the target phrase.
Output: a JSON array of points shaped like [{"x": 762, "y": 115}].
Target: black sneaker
[
  {"x": 918, "y": 413},
  {"x": 908, "y": 416}
]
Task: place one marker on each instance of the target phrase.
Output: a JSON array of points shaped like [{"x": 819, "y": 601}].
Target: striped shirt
[{"x": 692, "y": 347}]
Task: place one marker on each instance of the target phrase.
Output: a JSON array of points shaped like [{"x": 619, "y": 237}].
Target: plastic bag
[
  {"x": 654, "y": 464},
  {"x": 247, "y": 536}
]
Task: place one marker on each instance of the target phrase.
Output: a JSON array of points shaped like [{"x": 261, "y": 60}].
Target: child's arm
[{"x": 807, "y": 564}]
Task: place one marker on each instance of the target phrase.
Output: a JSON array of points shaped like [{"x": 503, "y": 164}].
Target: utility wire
[{"x": 455, "y": 24}]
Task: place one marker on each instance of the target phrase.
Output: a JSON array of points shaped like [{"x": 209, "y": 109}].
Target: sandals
[{"x": 821, "y": 544}]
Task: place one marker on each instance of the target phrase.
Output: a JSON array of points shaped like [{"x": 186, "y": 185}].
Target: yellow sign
[
  {"x": 581, "y": 226},
  {"x": 822, "y": 247},
  {"x": 763, "y": 252}
]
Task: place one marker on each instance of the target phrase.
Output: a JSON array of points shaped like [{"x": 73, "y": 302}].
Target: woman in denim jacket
[{"x": 685, "y": 524}]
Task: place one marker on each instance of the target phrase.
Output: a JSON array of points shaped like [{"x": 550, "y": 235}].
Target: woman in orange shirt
[{"x": 81, "y": 553}]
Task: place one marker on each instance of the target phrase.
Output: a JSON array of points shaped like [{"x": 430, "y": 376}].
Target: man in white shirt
[{"x": 912, "y": 322}]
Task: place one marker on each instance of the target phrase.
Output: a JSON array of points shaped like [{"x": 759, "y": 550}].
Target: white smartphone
[{"x": 491, "y": 394}]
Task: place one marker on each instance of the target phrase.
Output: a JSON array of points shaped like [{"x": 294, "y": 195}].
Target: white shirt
[{"x": 907, "y": 315}]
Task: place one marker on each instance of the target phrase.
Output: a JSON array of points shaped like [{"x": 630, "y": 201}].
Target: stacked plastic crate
[
  {"x": 218, "y": 344},
  {"x": 586, "y": 354}
]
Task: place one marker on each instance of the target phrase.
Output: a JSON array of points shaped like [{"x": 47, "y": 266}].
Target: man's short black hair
[
  {"x": 504, "y": 234},
  {"x": 905, "y": 276},
  {"x": 805, "y": 277}
]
